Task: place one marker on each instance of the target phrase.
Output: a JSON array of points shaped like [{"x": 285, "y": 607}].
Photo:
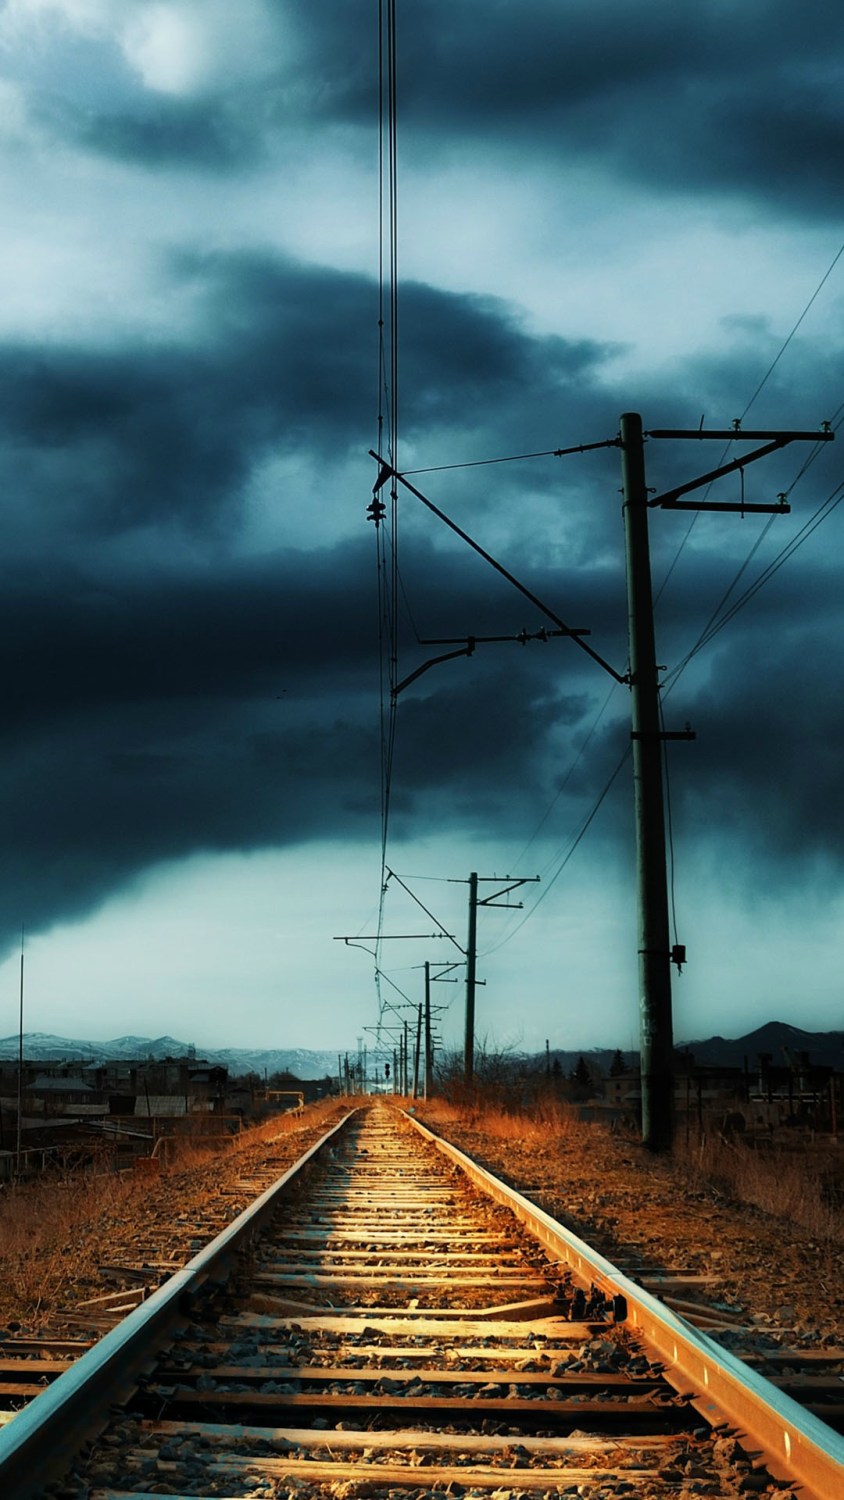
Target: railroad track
[{"x": 387, "y": 1319}]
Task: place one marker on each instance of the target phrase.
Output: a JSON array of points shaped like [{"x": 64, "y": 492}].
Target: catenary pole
[
  {"x": 471, "y": 969},
  {"x": 417, "y": 1051},
  {"x": 655, "y": 1021},
  {"x": 428, "y": 1055},
  {"x": 19, "y": 1135}
]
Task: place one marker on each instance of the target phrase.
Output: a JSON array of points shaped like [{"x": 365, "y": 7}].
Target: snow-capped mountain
[{"x": 39, "y": 1046}]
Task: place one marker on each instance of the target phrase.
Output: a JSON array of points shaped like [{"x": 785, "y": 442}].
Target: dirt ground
[
  {"x": 59, "y": 1240},
  {"x": 771, "y": 1273}
]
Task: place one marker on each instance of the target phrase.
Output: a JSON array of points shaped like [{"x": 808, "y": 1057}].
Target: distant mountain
[
  {"x": 825, "y": 1048},
  {"x": 39, "y": 1046}
]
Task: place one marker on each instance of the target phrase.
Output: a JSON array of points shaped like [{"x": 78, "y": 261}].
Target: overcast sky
[{"x": 602, "y": 208}]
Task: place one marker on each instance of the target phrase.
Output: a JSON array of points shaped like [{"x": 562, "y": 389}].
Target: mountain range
[
  {"x": 39, "y": 1046},
  {"x": 777, "y": 1038}
]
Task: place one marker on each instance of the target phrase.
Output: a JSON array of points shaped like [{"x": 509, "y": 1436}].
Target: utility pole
[
  {"x": 472, "y": 950},
  {"x": 471, "y": 972},
  {"x": 655, "y": 1020},
  {"x": 655, "y": 953},
  {"x": 416, "y": 1052},
  {"x": 19, "y": 1139},
  {"x": 428, "y": 1054}
]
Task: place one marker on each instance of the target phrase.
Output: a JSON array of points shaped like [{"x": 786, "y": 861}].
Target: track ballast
[{"x": 391, "y": 1331}]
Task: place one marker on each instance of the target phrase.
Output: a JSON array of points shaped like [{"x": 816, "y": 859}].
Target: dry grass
[
  {"x": 55, "y": 1229},
  {"x": 786, "y": 1182},
  {"x": 789, "y": 1182},
  {"x": 546, "y": 1119}
]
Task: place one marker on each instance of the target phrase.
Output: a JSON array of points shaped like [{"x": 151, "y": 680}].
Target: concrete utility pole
[
  {"x": 655, "y": 953},
  {"x": 656, "y": 1027},
  {"x": 416, "y": 1052},
  {"x": 429, "y": 1056},
  {"x": 472, "y": 981},
  {"x": 471, "y": 971}
]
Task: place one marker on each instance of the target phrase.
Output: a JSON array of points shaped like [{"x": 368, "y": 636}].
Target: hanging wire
[
  {"x": 760, "y": 387},
  {"x": 822, "y": 514},
  {"x": 569, "y": 852},
  {"x": 774, "y": 362},
  {"x": 669, "y": 825},
  {"x": 567, "y": 778},
  {"x": 387, "y": 534}
]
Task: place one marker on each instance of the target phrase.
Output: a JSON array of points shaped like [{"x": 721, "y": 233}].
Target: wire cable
[
  {"x": 774, "y": 362},
  {"x": 669, "y": 825},
  {"x": 760, "y": 387},
  {"x": 516, "y": 458},
  {"x": 571, "y": 848},
  {"x": 567, "y": 778},
  {"x": 822, "y": 514},
  {"x": 387, "y": 537}
]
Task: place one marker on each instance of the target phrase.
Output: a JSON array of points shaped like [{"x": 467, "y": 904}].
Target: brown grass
[
  {"x": 544, "y": 1120},
  {"x": 52, "y": 1232},
  {"x": 786, "y": 1181},
  {"x": 56, "y": 1229}
]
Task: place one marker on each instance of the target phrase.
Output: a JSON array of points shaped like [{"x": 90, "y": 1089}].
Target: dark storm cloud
[
  {"x": 766, "y": 771},
  {"x": 169, "y": 717},
  {"x": 717, "y": 98},
  {"x": 722, "y": 99},
  {"x": 198, "y": 134},
  {"x": 177, "y": 705},
  {"x": 285, "y": 360}
]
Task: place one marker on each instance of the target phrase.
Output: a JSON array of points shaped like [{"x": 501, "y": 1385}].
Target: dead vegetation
[
  {"x": 756, "y": 1218},
  {"x": 58, "y": 1228},
  {"x": 791, "y": 1178}
]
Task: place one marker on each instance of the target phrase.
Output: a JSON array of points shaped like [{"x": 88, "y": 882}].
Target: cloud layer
[{"x": 188, "y": 629}]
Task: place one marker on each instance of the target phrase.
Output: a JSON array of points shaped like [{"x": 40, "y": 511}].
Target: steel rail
[
  {"x": 794, "y": 1444},
  {"x": 38, "y": 1446}
]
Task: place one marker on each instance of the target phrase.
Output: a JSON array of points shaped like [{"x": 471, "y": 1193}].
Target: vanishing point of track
[{"x": 389, "y": 1320}]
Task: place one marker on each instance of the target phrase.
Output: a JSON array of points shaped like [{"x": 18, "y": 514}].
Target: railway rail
[{"x": 387, "y": 1319}]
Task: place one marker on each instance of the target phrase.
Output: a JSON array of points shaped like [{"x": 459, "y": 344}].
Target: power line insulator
[{"x": 376, "y": 510}]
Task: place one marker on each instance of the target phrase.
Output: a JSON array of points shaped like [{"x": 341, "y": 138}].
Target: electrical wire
[
  {"x": 760, "y": 387},
  {"x": 567, "y": 778},
  {"x": 774, "y": 362},
  {"x": 567, "y": 856},
  {"x": 669, "y": 825},
  {"x": 515, "y": 458},
  {"x": 387, "y": 536},
  {"x": 822, "y": 514}
]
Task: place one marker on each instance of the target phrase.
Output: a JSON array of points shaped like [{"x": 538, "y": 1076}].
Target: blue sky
[{"x": 598, "y": 212}]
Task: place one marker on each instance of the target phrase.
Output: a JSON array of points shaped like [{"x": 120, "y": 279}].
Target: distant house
[{"x": 49, "y": 1095}]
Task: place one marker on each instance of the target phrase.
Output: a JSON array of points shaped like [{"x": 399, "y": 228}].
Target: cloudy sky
[{"x": 601, "y": 208}]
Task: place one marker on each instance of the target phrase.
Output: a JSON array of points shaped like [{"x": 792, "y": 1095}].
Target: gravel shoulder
[
  {"x": 64, "y": 1242},
  {"x": 771, "y": 1275}
]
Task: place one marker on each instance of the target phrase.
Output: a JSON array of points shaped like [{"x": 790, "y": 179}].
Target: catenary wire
[
  {"x": 386, "y": 543},
  {"x": 570, "y": 850},
  {"x": 762, "y": 383},
  {"x": 712, "y": 627}
]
